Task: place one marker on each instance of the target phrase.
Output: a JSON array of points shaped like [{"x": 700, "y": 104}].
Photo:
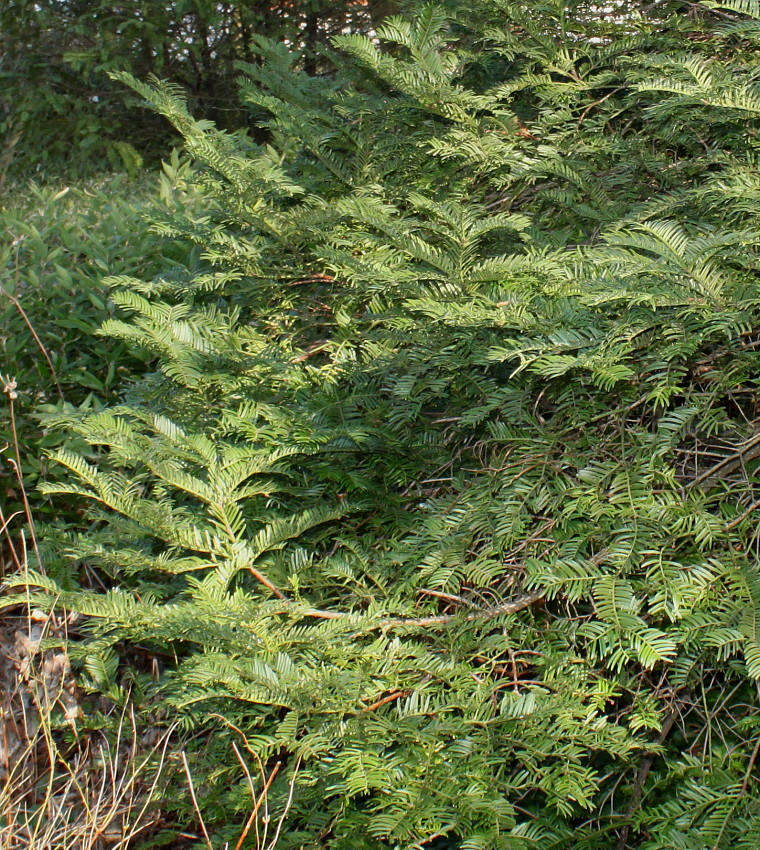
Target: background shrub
[{"x": 58, "y": 107}]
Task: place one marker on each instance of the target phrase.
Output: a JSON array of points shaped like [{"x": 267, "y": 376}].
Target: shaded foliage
[
  {"x": 59, "y": 243},
  {"x": 58, "y": 106}
]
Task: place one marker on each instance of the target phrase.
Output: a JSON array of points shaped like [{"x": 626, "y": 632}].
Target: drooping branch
[{"x": 511, "y": 606}]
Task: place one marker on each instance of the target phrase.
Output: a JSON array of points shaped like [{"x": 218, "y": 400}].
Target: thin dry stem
[
  {"x": 17, "y": 304},
  {"x": 257, "y": 805},
  {"x": 202, "y": 823}
]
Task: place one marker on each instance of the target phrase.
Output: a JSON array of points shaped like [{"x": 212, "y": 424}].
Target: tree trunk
[{"x": 379, "y": 10}]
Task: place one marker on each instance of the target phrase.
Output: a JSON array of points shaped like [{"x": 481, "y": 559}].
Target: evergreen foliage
[{"x": 443, "y": 490}]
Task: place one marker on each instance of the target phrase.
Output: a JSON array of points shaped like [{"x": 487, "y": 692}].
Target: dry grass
[
  {"x": 66, "y": 788},
  {"x": 61, "y": 789},
  {"x": 266, "y": 829}
]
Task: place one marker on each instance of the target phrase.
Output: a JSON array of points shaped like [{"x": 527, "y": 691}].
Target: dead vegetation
[{"x": 62, "y": 787}]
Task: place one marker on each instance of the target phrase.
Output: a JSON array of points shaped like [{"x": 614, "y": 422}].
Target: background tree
[{"x": 57, "y": 103}]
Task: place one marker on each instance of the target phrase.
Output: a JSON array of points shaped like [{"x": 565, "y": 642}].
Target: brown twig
[
  {"x": 533, "y": 538},
  {"x": 740, "y": 519},
  {"x": 315, "y": 278},
  {"x": 385, "y": 700},
  {"x": 510, "y": 607},
  {"x": 597, "y": 103},
  {"x": 267, "y": 583},
  {"x": 748, "y": 774},
  {"x": 627, "y": 409},
  {"x": 257, "y": 805},
  {"x": 449, "y": 597},
  {"x": 311, "y": 351},
  {"x": 288, "y": 804},
  {"x": 17, "y": 562},
  {"x": 746, "y": 451}
]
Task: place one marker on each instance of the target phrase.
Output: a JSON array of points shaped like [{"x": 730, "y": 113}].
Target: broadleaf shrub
[
  {"x": 58, "y": 243},
  {"x": 442, "y": 491}
]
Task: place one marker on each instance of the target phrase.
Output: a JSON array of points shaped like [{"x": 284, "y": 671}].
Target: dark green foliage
[
  {"x": 59, "y": 109},
  {"x": 443, "y": 489}
]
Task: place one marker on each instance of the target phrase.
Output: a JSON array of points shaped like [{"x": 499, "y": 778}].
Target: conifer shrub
[{"x": 438, "y": 507}]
